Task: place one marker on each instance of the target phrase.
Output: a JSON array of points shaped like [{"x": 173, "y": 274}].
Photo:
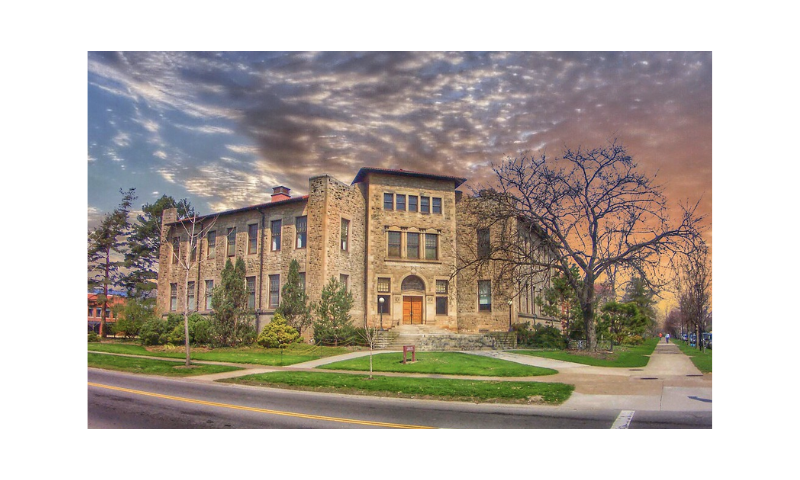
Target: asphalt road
[{"x": 125, "y": 401}]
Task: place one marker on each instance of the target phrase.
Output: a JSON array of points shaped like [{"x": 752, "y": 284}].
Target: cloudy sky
[{"x": 222, "y": 129}]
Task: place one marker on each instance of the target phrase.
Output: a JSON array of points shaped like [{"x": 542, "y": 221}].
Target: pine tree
[
  {"x": 105, "y": 250},
  {"x": 333, "y": 314},
  {"x": 229, "y": 302},
  {"x": 294, "y": 301}
]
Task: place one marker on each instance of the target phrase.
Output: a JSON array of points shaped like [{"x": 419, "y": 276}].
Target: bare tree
[
  {"x": 694, "y": 289},
  {"x": 370, "y": 335},
  {"x": 588, "y": 208},
  {"x": 194, "y": 228}
]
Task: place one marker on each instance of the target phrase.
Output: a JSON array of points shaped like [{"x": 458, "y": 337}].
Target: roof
[
  {"x": 362, "y": 173},
  {"x": 252, "y": 207}
]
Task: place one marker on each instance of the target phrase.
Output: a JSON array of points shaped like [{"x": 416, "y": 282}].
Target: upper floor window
[
  {"x": 400, "y": 203},
  {"x": 252, "y": 238},
  {"x": 176, "y": 249},
  {"x": 388, "y": 201},
  {"x": 232, "y": 241},
  {"x": 193, "y": 253},
  {"x": 412, "y": 203},
  {"x": 425, "y": 204},
  {"x": 211, "y": 244},
  {"x": 412, "y": 245},
  {"x": 431, "y": 246},
  {"x": 437, "y": 205},
  {"x": 345, "y": 234},
  {"x": 484, "y": 243},
  {"x": 301, "y": 225},
  {"x": 275, "y": 228},
  {"x": 394, "y": 244}
]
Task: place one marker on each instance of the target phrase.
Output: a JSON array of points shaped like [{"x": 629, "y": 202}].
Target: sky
[{"x": 223, "y": 128}]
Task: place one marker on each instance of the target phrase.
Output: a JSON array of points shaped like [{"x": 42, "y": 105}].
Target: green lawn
[
  {"x": 622, "y": 357},
  {"x": 153, "y": 367},
  {"x": 256, "y": 355},
  {"x": 423, "y": 388},
  {"x": 701, "y": 360},
  {"x": 443, "y": 363}
]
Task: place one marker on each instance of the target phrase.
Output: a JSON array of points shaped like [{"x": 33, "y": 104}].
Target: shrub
[
  {"x": 540, "y": 336},
  {"x": 633, "y": 340},
  {"x": 277, "y": 333},
  {"x": 93, "y": 337}
]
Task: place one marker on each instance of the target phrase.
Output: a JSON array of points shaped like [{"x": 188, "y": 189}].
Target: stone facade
[{"x": 390, "y": 234}]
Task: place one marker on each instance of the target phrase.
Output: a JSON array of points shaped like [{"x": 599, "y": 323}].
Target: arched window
[{"x": 412, "y": 282}]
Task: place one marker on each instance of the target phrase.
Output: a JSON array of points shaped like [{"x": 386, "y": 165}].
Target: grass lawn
[
  {"x": 422, "y": 388},
  {"x": 153, "y": 367},
  {"x": 701, "y": 360},
  {"x": 444, "y": 363},
  {"x": 297, "y": 353},
  {"x": 621, "y": 357}
]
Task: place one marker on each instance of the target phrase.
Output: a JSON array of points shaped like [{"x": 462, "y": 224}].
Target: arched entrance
[{"x": 413, "y": 289}]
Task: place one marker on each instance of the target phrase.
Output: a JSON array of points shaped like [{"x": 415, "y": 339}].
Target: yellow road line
[{"x": 258, "y": 410}]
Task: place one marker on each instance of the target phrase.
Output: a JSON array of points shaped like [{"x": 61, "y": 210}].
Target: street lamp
[
  {"x": 510, "y": 304},
  {"x": 380, "y": 301}
]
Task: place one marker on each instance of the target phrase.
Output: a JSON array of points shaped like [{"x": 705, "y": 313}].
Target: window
[
  {"x": 251, "y": 292},
  {"x": 193, "y": 254},
  {"x": 412, "y": 245},
  {"x": 98, "y": 313},
  {"x": 345, "y": 280},
  {"x": 345, "y": 234},
  {"x": 484, "y": 243},
  {"x": 431, "y": 246},
  {"x": 232, "y": 241},
  {"x": 252, "y": 238},
  {"x": 385, "y": 306},
  {"x": 209, "y": 291},
  {"x": 90, "y": 312},
  {"x": 275, "y": 228},
  {"x": 388, "y": 201},
  {"x": 425, "y": 204},
  {"x": 441, "y": 287},
  {"x": 212, "y": 245},
  {"x": 485, "y": 295},
  {"x": 274, "y": 291},
  {"x": 300, "y": 225},
  {"x": 176, "y": 249},
  {"x": 441, "y": 305},
  {"x": 173, "y": 297},
  {"x": 384, "y": 285},
  {"x": 400, "y": 202},
  {"x": 437, "y": 205},
  {"x": 192, "y": 304},
  {"x": 412, "y": 203},
  {"x": 394, "y": 244},
  {"x": 303, "y": 280}
]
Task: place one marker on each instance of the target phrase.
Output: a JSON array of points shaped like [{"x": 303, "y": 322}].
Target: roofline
[
  {"x": 362, "y": 173},
  {"x": 245, "y": 209}
]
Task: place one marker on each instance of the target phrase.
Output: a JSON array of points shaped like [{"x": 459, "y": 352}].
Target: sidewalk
[{"x": 669, "y": 382}]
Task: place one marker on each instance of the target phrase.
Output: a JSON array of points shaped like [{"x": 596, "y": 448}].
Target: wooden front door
[{"x": 412, "y": 310}]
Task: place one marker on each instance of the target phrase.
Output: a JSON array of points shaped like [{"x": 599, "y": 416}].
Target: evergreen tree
[
  {"x": 294, "y": 301},
  {"x": 144, "y": 247},
  {"x": 639, "y": 292},
  {"x": 332, "y": 324},
  {"x": 622, "y": 320},
  {"x": 229, "y": 302},
  {"x": 105, "y": 250}
]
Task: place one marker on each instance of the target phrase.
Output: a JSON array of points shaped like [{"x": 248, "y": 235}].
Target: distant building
[
  {"x": 390, "y": 235},
  {"x": 96, "y": 311}
]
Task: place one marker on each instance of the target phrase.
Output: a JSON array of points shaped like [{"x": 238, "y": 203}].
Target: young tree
[
  {"x": 559, "y": 301},
  {"x": 105, "y": 252},
  {"x": 194, "y": 229},
  {"x": 591, "y": 208},
  {"x": 294, "y": 301},
  {"x": 640, "y": 292},
  {"x": 229, "y": 302},
  {"x": 622, "y": 320},
  {"x": 333, "y": 314},
  {"x": 144, "y": 247}
]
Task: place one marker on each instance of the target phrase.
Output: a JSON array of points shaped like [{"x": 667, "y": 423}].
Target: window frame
[
  {"x": 388, "y": 285},
  {"x": 424, "y": 205},
  {"x": 397, "y": 202},
  {"x": 173, "y": 297},
  {"x": 344, "y": 235},
  {"x": 410, "y": 235},
  {"x": 252, "y": 239},
  {"x": 211, "y": 245},
  {"x": 434, "y": 206},
  {"x": 209, "y": 289},
  {"x": 230, "y": 242},
  {"x": 274, "y": 281},
  {"x": 275, "y": 246},
  {"x": 191, "y": 299},
  {"x": 251, "y": 292},
  {"x": 485, "y": 307},
  {"x": 388, "y": 200},
  {"x": 389, "y": 235},
  {"x": 435, "y": 236},
  {"x": 484, "y": 238},
  {"x": 300, "y": 234},
  {"x": 415, "y": 203}
]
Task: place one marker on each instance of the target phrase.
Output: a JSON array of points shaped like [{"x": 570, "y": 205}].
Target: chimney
[{"x": 280, "y": 193}]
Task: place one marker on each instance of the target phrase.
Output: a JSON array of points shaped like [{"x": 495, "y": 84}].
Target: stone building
[{"x": 394, "y": 237}]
